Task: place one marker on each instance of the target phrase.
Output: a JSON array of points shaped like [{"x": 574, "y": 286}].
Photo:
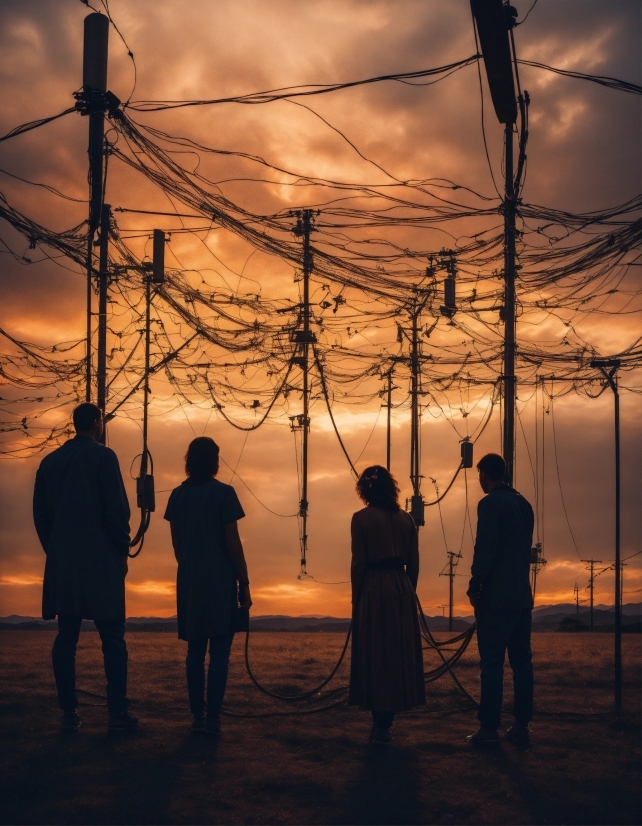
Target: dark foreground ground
[{"x": 313, "y": 768}]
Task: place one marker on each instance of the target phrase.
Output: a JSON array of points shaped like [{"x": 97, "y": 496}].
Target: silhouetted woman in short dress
[
  {"x": 387, "y": 668},
  {"x": 212, "y": 580}
]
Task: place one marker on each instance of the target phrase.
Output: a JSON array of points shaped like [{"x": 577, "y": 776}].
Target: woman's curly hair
[
  {"x": 377, "y": 486},
  {"x": 201, "y": 459}
]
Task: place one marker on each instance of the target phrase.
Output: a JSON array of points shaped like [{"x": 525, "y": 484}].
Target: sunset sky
[{"x": 584, "y": 154}]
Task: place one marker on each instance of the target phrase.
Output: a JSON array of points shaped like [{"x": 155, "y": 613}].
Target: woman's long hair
[
  {"x": 377, "y": 486},
  {"x": 201, "y": 459}
]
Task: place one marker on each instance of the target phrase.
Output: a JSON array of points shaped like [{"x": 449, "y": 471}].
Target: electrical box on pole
[
  {"x": 158, "y": 259},
  {"x": 95, "y": 52},
  {"x": 466, "y": 453},
  {"x": 493, "y": 21}
]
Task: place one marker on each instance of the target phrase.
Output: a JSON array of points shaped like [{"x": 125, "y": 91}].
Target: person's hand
[{"x": 245, "y": 600}]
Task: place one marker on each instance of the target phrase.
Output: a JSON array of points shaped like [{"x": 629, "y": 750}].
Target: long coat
[
  {"x": 81, "y": 514},
  {"x": 206, "y": 587},
  {"x": 501, "y": 561},
  {"x": 386, "y": 671}
]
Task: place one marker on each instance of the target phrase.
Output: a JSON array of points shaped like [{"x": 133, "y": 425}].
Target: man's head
[
  {"x": 492, "y": 469},
  {"x": 88, "y": 420}
]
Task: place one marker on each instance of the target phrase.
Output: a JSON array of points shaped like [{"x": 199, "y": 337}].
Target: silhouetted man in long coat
[
  {"x": 81, "y": 514},
  {"x": 500, "y": 593}
]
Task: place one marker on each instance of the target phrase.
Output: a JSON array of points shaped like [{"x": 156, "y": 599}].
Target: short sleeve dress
[{"x": 206, "y": 584}]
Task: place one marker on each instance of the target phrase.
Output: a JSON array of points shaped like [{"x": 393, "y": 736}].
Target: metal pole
[
  {"x": 414, "y": 402},
  {"x": 509, "y": 309},
  {"x": 148, "y": 306},
  {"x": 451, "y": 576},
  {"x": 618, "y": 561},
  {"x": 95, "y": 51},
  {"x": 103, "y": 282},
  {"x": 611, "y": 378}
]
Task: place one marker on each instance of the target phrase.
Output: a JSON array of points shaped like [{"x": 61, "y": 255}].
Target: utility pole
[
  {"x": 388, "y": 417},
  {"x": 103, "y": 283},
  {"x": 92, "y": 102},
  {"x": 510, "y": 380},
  {"x": 537, "y": 564},
  {"x": 304, "y": 338},
  {"x": 451, "y": 574},
  {"x": 576, "y": 592},
  {"x": 591, "y": 563},
  {"x": 494, "y": 21},
  {"x": 417, "y": 501},
  {"x": 609, "y": 368}
]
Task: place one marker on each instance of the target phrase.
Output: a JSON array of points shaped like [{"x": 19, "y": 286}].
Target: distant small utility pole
[
  {"x": 451, "y": 574},
  {"x": 591, "y": 567},
  {"x": 576, "y": 592}
]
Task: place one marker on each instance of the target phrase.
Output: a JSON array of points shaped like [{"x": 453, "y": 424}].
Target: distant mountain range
[{"x": 545, "y": 618}]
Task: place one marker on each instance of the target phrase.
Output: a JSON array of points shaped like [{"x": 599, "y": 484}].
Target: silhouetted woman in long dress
[
  {"x": 387, "y": 668},
  {"x": 212, "y": 579}
]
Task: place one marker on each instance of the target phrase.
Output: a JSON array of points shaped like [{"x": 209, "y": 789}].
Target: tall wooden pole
[
  {"x": 304, "y": 338},
  {"x": 510, "y": 380},
  {"x": 103, "y": 284},
  {"x": 95, "y": 51}
]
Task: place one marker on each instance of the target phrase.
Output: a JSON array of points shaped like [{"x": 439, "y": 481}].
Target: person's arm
[
  {"x": 40, "y": 513},
  {"x": 412, "y": 565},
  {"x": 114, "y": 504},
  {"x": 237, "y": 558},
  {"x": 486, "y": 548},
  {"x": 358, "y": 565}
]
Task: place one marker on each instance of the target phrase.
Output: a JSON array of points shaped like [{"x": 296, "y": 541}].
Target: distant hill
[{"x": 545, "y": 618}]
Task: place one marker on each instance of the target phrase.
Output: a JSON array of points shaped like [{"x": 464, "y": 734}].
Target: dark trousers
[
  {"x": 63, "y": 655},
  {"x": 383, "y": 719},
  {"x": 220, "y": 646},
  {"x": 497, "y": 633}
]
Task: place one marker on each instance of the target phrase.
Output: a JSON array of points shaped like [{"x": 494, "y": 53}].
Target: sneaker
[
  {"x": 123, "y": 721},
  {"x": 518, "y": 735},
  {"x": 212, "y": 726},
  {"x": 485, "y": 737},
  {"x": 198, "y": 724},
  {"x": 380, "y": 736},
  {"x": 70, "y": 721}
]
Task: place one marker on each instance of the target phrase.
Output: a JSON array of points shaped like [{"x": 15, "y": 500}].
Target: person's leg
[
  {"x": 491, "y": 641},
  {"x": 220, "y": 646},
  {"x": 112, "y": 635},
  {"x": 521, "y": 662},
  {"x": 195, "y": 670},
  {"x": 383, "y": 719},
  {"x": 63, "y": 657}
]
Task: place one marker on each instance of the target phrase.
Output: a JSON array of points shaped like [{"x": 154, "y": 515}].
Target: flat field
[{"x": 314, "y": 768}]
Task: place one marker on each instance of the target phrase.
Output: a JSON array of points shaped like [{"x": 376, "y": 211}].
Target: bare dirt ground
[{"x": 313, "y": 768}]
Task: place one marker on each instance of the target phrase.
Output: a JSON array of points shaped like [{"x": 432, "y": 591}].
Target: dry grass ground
[{"x": 315, "y": 768}]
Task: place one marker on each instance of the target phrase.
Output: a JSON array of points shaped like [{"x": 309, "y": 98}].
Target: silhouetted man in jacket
[
  {"x": 81, "y": 514},
  {"x": 500, "y": 593}
]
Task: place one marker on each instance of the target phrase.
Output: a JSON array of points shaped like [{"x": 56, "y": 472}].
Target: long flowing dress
[{"x": 387, "y": 667}]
